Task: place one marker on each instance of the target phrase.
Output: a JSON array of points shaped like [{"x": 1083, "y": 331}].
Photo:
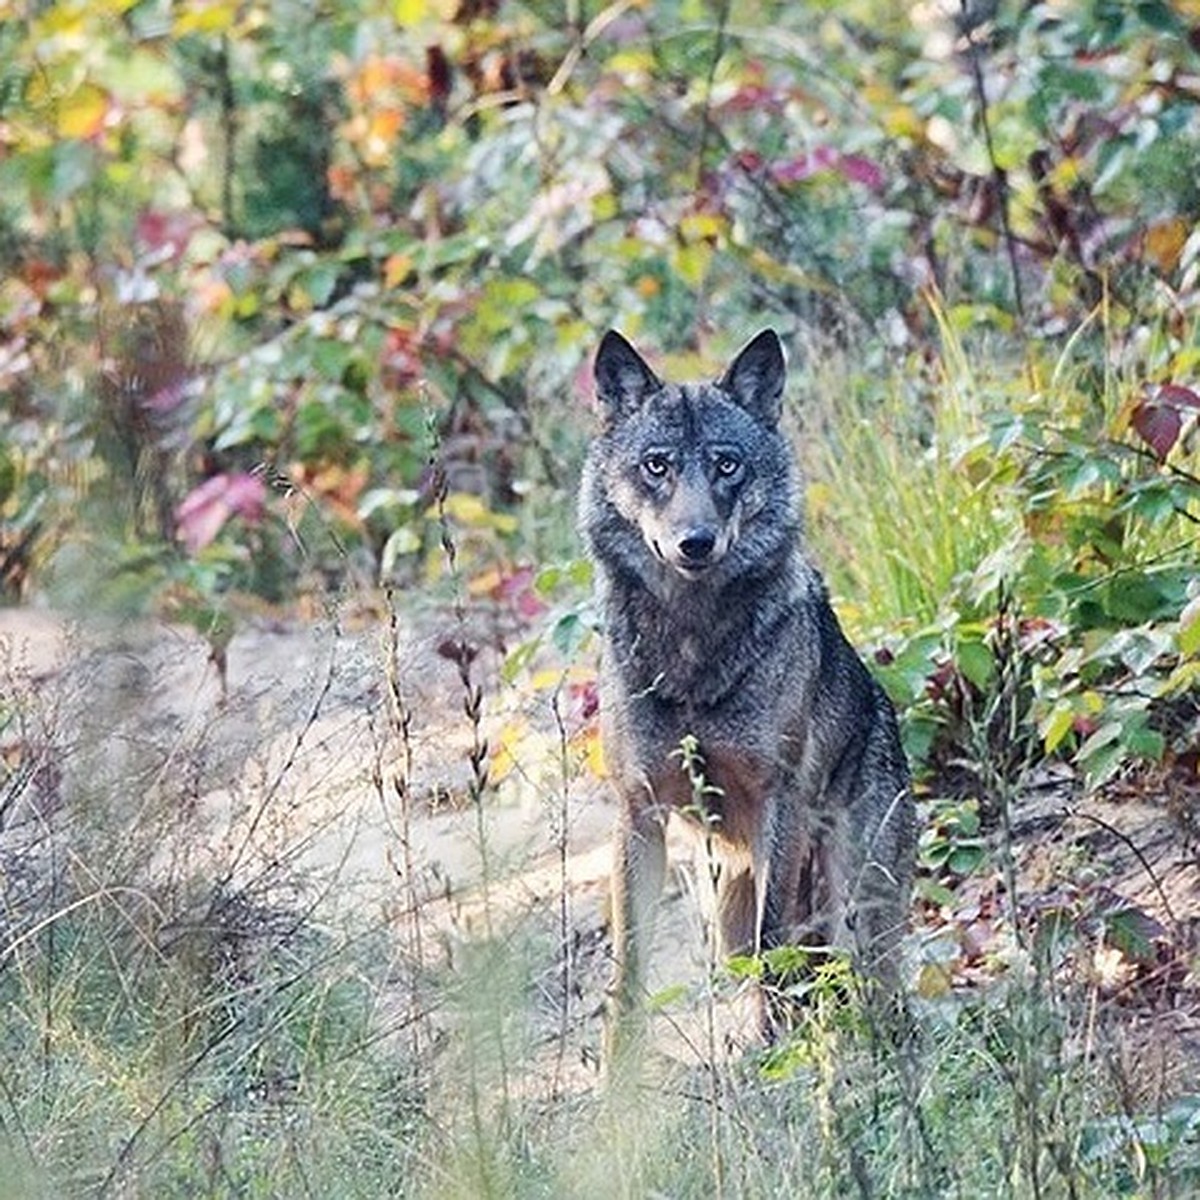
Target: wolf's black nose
[{"x": 697, "y": 544}]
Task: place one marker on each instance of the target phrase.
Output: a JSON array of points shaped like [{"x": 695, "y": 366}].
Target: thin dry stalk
[
  {"x": 479, "y": 758},
  {"x": 561, "y": 828},
  {"x": 400, "y": 717}
]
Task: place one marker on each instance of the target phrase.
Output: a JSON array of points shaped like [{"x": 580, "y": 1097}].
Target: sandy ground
[{"x": 287, "y": 781}]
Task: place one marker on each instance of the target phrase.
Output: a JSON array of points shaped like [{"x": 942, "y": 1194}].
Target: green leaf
[
  {"x": 1144, "y": 742},
  {"x": 966, "y": 857},
  {"x": 515, "y": 662},
  {"x": 745, "y": 966},
  {"x": 934, "y": 892},
  {"x": 666, "y": 997},
  {"x": 976, "y": 663},
  {"x": 568, "y": 634}
]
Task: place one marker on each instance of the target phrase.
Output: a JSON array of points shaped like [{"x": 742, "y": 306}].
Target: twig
[
  {"x": 707, "y": 125},
  {"x": 1132, "y": 846},
  {"x": 998, "y": 173},
  {"x": 229, "y": 129},
  {"x": 595, "y": 28}
]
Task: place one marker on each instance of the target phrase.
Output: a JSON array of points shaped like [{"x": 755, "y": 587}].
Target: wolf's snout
[{"x": 696, "y": 546}]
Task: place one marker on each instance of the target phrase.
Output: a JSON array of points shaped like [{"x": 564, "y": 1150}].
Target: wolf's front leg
[
  {"x": 785, "y": 900},
  {"x": 639, "y": 864}
]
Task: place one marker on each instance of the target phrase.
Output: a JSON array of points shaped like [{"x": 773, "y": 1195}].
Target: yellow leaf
[
  {"x": 410, "y": 12},
  {"x": 82, "y": 114},
  {"x": 381, "y": 132},
  {"x": 503, "y": 760},
  {"x": 631, "y": 62},
  {"x": 1059, "y": 724},
  {"x": 933, "y": 981},
  {"x": 470, "y": 510},
  {"x": 604, "y": 207},
  {"x": 1065, "y": 174},
  {"x": 486, "y": 582},
  {"x": 206, "y": 16},
  {"x": 396, "y": 269},
  {"x": 1164, "y": 243},
  {"x": 593, "y": 753},
  {"x": 691, "y": 262},
  {"x": 1184, "y": 678},
  {"x": 777, "y": 272},
  {"x": 550, "y": 678},
  {"x": 1189, "y": 629},
  {"x": 466, "y": 508},
  {"x": 820, "y": 496},
  {"x": 701, "y": 227},
  {"x": 902, "y": 121}
]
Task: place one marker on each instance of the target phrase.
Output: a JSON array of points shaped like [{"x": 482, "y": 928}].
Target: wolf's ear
[
  {"x": 623, "y": 380},
  {"x": 755, "y": 377}
]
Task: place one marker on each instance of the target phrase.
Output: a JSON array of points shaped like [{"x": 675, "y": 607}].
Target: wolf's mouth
[{"x": 688, "y": 568}]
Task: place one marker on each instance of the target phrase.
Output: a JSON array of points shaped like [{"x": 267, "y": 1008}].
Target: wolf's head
[{"x": 700, "y": 471}]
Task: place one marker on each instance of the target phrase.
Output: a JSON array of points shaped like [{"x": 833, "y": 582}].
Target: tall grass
[
  {"x": 929, "y": 485},
  {"x": 905, "y": 498}
]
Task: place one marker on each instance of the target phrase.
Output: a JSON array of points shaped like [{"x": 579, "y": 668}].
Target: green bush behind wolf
[{"x": 719, "y": 635}]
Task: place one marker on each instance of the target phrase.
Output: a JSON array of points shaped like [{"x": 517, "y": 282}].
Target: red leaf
[
  {"x": 1176, "y": 395},
  {"x": 748, "y": 160},
  {"x": 1159, "y": 425},
  {"x": 585, "y": 699},
  {"x": 755, "y": 97},
  {"x": 855, "y": 168}
]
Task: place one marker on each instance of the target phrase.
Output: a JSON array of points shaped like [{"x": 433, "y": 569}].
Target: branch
[{"x": 998, "y": 173}]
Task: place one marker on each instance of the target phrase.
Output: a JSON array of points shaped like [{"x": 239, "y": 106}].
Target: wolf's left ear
[
  {"x": 623, "y": 380},
  {"x": 755, "y": 377}
]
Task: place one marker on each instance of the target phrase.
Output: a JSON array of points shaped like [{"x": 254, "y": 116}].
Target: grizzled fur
[{"x": 719, "y": 629}]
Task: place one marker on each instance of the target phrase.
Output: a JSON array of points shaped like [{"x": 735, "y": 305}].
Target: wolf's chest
[{"x": 720, "y": 790}]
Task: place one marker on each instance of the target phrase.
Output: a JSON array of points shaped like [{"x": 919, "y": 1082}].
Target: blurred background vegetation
[
  {"x": 279, "y": 279},
  {"x": 299, "y": 299}
]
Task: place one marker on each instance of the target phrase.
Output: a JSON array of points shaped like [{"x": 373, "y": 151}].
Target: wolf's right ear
[{"x": 623, "y": 380}]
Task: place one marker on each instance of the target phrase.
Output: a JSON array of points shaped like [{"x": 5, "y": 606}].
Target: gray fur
[{"x": 718, "y": 627}]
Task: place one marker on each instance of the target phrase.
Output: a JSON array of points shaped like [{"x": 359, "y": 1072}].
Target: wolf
[{"x": 729, "y": 695}]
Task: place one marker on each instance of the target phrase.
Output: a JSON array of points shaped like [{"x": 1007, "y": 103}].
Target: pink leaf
[
  {"x": 859, "y": 169},
  {"x": 517, "y": 588},
  {"x": 166, "y": 235},
  {"x": 207, "y": 507}
]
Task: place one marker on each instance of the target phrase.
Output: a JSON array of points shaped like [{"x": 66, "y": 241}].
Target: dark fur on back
[{"x": 719, "y": 629}]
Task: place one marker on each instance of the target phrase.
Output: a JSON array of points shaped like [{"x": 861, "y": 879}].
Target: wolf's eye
[
  {"x": 656, "y": 466},
  {"x": 726, "y": 465}
]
